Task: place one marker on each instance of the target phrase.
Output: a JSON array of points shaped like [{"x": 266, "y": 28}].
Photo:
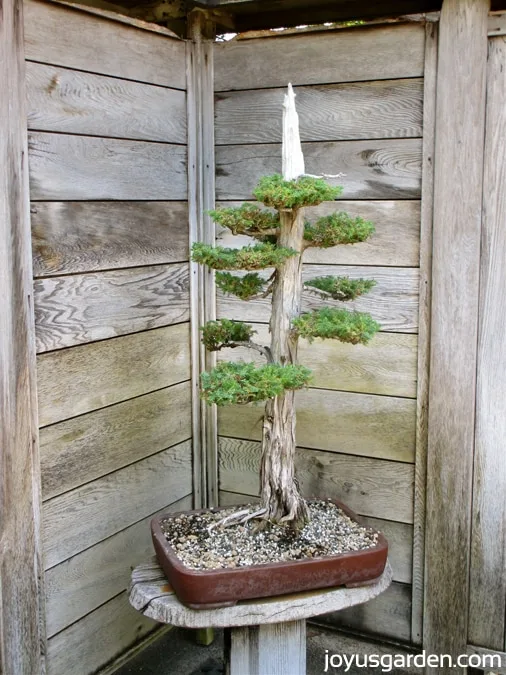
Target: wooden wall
[
  {"x": 108, "y": 188},
  {"x": 360, "y": 103}
]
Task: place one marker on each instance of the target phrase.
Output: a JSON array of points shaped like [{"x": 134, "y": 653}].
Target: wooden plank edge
[
  {"x": 137, "y": 649},
  {"x": 496, "y": 23},
  {"x": 429, "y": 111}
]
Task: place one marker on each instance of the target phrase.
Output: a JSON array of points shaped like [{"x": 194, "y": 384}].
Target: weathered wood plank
[
  {"x": 70, "y": 237},
  {"x": 387, "y": 365},
  {"x": 375, "y": 169},
  {"x": 80, "y": 379},
  {"x": 276, "y": 649},
  {"x": 85, "y": 646},
  {"x": 102, "y": 46},
  {"x": 21, "y": 581},
  {"x": 386, "y": 52},
  {"x": 83, "y": 449},
  {"x": 488, "y": 544},
  {"x": 396, "y": 241},
  {"x": 388, "y": 615},
  {"x": 458, "y": 180},
  {"x": 393, "y": 302},
  {"x": 399, "y": 535},
  {"x": 80, "y": 585},
  {"x": 114, "y": 502},
  {"x": 332, "y": 112},
  {"x": 355, "y": 424},
  {"x": 82, "y": 308},
  {"x": 64, "y": 167},
  {"x": 76, "y": 102},
  {"x": 496, "y": 23},
  {"x": 371, "y": 487}
]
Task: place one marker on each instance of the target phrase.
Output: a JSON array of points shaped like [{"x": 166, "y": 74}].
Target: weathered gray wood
[
  {"x": 85, "y": 646},
  {"x": 90, "y": 578},
  {"x": 388, "y": 615},
  {"x": 458, "y": 177},
  {"x": 371, "y": 487},
  {"x": 332, "y": 112},
  {"x": 488, "y": 544},
  {"x": 396, "y": 241},
  {"x": 84, "y": 103},
  {"x": 429, "y": 111},
  {"x": 114, "y": 502},
  {"x": 386, "y": 52},
  {"x": 82, "y": 449},
  {"x": 496, "y": 23},
  {"x": 21, "y": 585},
  {"x": 355, "y": 424},
  {"x": 276, "y": 649},
  {"x": 375, "y": 169},
  {"x": 157, "y": 600},
  {"x": 80, "y": 379},
  {"x": 70, "y": 237},
  {"x": 393, "y": 302},
  {"x": 387, "y": 365},
  {"x": 399, "y": 536},
  {"x": 64, "y": 167},
  {"x": 82, "y": 308},
  {"x": 102, "y": 46}
]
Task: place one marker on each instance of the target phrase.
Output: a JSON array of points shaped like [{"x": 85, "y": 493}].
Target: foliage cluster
[
  {"x": 247, "y": 258},
  {"x": 340, "y": 324},
  {"x": 337, "y": 228},
  {"x": 246, "y": 219},
  {"x": 342, "y": 288},
  {"x": 282, "y": 194},
  {"x": 218, "y": 334},
  {"x": 245, "y": 287},
  {"x": 238, "y": 383}
]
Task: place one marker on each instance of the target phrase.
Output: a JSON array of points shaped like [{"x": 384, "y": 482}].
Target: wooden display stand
[{"x": 267, "y": 636}]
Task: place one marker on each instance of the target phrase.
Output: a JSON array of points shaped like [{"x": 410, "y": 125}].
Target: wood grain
[
  {"x": 370, "y": 487},
  {"x": 82, "y": 449},
  {"x": 80, "y": 379},
  {"x": 81, "y": 308},
  {"x": 102, "y": 46},
  {"x": 80, "y": 585},
  {"x": 396, "y": 241},
  {"x": 70, "y": 237},
  {"x": 386, "y": 52},
  {"x": 276, "y": 649},
  {"x": 488, "y": 543},
  {"x": 85, "y": 646},
  {"x": 393, "y": 302},
  {"x": 387, "y": 365},
  {"x": 22, "y": 632},
  {"x": 399, "y": 535},
  {"x": 460, "y": 123},
  {"x": 374, "y": 169},
  {"x": 76, "y": 102},
  {"x": 114, "y": 502},
  {"x": 332, "y": 112},
  {"x": 355, "y": 424},
  {"x": 64, "y": 167}
]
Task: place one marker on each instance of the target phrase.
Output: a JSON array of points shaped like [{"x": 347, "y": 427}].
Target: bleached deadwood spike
[{"x": 293, "y": 159}]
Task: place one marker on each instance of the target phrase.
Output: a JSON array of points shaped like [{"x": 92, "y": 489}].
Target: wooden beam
[
  {"x": 21, "y": 604},
  {"x": 458, "y": 186}
]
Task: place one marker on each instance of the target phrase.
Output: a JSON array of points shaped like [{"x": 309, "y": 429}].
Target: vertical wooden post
[
  {"x": 458, "y": 186},
  {"x": 21, "y": 606},
  {"x": 201, "y": 170}
]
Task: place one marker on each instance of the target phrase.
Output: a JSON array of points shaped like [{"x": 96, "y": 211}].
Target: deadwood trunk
[{"x": 279, "y": 490}]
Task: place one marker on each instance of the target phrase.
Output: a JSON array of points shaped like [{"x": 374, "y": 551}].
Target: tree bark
[{"x": 280, "y": 494}]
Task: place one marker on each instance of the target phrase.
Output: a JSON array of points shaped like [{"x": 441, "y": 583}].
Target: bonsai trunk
[{"x": 280, "y": 494}]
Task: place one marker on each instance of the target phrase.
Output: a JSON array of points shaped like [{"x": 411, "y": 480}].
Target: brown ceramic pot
[{"x": 208, "y": 589}]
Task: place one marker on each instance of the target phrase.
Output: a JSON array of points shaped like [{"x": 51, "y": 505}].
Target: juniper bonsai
[{"x": 284, "y": 235}]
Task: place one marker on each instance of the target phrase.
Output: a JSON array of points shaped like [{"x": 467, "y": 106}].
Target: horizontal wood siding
[
  {"x": 359, "y": 95},
  {"x": 108, "y": 183}
]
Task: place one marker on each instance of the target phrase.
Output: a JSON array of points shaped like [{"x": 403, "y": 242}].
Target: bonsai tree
[{"x": 282, "y": 236}]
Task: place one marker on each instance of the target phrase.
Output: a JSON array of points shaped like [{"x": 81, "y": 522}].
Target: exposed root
[{"x": 237, "y": 518}]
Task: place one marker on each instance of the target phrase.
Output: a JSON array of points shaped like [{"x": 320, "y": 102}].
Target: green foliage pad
[
  {"x": 232, "y": 383},
  {"x": 293, "y": 194},
  {"x": 341, "y": 288},
  {"x": 340, "y": 324},
  {"x": 219, "y": 334},
  {"x": 246, "y": 219},
  {"x": 245, "y": 287},
  {"x": 337, "y": 228},
  {"x": 247, "y": 258}
]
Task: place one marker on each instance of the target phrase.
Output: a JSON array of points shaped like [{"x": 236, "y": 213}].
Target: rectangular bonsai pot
[{"x": 209, "y": 589}]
